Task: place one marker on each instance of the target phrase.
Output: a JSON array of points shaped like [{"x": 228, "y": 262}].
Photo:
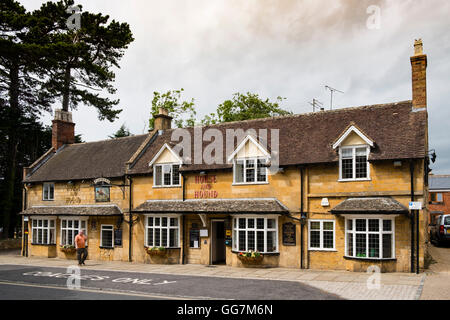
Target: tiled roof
[
  {"x": 93, "y": 210},
  {"x": 439, "y": 182},
  {"x": 370, "y": 206},
  {"x": 88, "y": 160},
  {"x": 398, "y": 133},
  {"x": 262, "y": 206}
]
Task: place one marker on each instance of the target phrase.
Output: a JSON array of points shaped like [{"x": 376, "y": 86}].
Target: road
[
  {"x": 437, "y": 284},
  {"x": 30, "y": 282}
]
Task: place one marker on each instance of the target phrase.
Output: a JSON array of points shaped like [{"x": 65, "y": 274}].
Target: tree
[
  {"x": 80, "y": 62},
  {"x": 122, "y": 132},
  {"x": 244, "y": 107},
  {"x": 182, "y": 111}
]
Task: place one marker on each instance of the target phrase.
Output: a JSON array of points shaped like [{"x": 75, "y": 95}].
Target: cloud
[{"x": 289, "y": 48}]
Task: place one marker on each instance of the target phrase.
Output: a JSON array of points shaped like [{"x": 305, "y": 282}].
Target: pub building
[{"x": 339, "y": 199}]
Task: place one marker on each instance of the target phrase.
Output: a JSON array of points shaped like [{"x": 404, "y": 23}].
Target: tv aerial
[
  {"x": 316, "y": 104},
  {"x": 332, "y": 90}
]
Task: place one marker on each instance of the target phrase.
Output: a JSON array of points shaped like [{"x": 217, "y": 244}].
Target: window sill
[
  {"x": 162, "y": 187},
  {"x": 108, "y": 248},
  {"x": 322, "y": 250},
  {"x": 262, "y": 253},
  {"x": 43, "y": 244},
  {"x": 167, "y": 248},
  {"x": 48, "y": 199},
  {"x": 370, "y": 259},
  {"x": 354, "y": 180},
  {"x": 248, "y": 183}
]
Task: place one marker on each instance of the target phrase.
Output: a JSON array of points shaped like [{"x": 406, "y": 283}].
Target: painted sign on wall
[{"x": 206, "y": 186}]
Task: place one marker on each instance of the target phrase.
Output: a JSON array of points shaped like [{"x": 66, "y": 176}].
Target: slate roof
[
  {"x": 93, "y": 210},
  {"x": 381, "y": 205},
  {"x": 439, "y": 182},
  {"x": 88, "y": 160},
  {"x": 230, "y": 206},
  {"x": 398, "y": 133}
]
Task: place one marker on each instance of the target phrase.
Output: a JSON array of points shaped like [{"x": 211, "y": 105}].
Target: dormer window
[
  {"x": 166, "y": 175},
  {"x": 353, "y": 163},
  {"x": 250, "y": 170}
]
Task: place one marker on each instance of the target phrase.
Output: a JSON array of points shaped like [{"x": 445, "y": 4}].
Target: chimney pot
[{"x": 419, "y": 77}]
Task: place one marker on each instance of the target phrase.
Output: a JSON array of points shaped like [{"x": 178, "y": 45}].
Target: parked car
[{"x": 440, "y": 229}]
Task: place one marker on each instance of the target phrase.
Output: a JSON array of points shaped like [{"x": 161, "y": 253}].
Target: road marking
[{"x": 106, "y": 291}]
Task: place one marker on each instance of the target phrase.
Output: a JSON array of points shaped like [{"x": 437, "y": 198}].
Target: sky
[{"x": 287, "y": 48}]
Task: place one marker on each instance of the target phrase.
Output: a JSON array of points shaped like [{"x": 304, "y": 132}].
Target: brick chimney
[
  {"x": 419, "y": 77},
  {"x": 162, "y": 120},
  {"x": 63, "y": 130}
]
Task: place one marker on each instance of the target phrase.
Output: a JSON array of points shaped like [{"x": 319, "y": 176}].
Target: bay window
[
  {"x": 43, "y": 231},
  {"x": 250, "y": 170},
  {"x": 166, "y": 175},
  {"x": 353, "y": 163},
  {"x": 70, "y": 227},
  {"x": 162, "y": 231},
  {"x": 255, "y": 234},
  {"x": 370, "y": 238}
]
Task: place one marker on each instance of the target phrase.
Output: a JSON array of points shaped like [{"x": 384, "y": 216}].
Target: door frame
[{"x": 212, "y": 241}]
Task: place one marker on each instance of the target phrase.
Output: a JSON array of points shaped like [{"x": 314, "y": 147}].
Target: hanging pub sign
[
  {"x": 117, "y": 237},
  {"x": 102, "y": 181},
  {"x": 102, "y": 189},
  {"x": 289, "y": 234}
]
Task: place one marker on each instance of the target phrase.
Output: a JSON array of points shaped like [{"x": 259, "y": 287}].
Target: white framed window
[
  {"x": 370, "y": 238},
  {"x": 43, "y": 231},
  {"x": 166, "y": 175},
  {"x": 353, "y": 163},
  {"x": 107, "y": 236},
  {"x": 322, "y": 235},
  {"x": 70, "y": 227},
  {"x": 250, "y": 171},
  {"x": 255, "y": 234},
  {"x": 162, "y": 231},
  {"x": 48, "y": 191}
]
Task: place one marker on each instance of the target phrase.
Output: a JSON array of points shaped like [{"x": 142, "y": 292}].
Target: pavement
[
  {"x": 437, "y": 284},
  {"x": 342, "y": 284}
]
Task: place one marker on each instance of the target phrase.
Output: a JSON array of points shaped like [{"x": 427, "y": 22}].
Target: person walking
[{"x": 80, "y": 244}]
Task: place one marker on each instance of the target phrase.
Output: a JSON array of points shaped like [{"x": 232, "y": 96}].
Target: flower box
[
  {"x": 157, "y": 251},
  {"x": 250, "y": 257},
  {"x": 68, "y": 249}
]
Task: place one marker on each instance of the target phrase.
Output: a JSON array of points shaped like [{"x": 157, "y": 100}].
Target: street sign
[{"x": 415, "y": 206}]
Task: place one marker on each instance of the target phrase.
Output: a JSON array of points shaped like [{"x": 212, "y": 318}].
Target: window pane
[
  {"x": 350, "y": 244},
  {"x": 328, "y": 240},
  {"x": 52, "y": 223},
  {"x": 158, "y": 175},
  {"x": 157, "y": 237},
  {"x": 251, "y": 223},
  {"x": 260, "y": 241},
  {"x": 242, "y": 246},
  {"x": 361, "y": 167},
  {"x": 439, "y": 197},
  {"x": 64, "y": 237},
  {"x": 328, "y": 226},
  {"x": 34, "y": 223},
  {"x": 150, "y": 237},
  {"x": 349, "y": 225},
  {"x": 361, "y": 245},
  {"x": 271, "y": 224},
  {"x": 347, "y": 168},
  {"x": 251, "y": 240},
  {"x": 173, "y": 222},
  {"x": 234, "y": 240},
  {"x": 239, "y": 171},
  {"x": 157, "y": 222},
  {"x": 51, "y": 191},
  {"x": 45, "y": 223},
  {"x": 374, "y": 225},
  {"x": 164, "y": 222},
  {"x": 45, "y": 236},
  {"x": 261, "y": 170},
  {"x": 76, "y": 224},
  {"x": 70, "y": 237},
  {"x": 64, "y": 223},
  {"x": 39, "y": 236},
  {"x": 315, "y": 239},
  {"x": 69, "y": 223},
  {"x": 164, "y": 237},
  {"x": 173, "y": 238},
  {"x": 387, "y": 225},
  {"x": 347, "y": 153},
  {"x": 271, "y": 241},
  {"x": 241, "y": 223},
  {"x": 250, "y": 171},
  {"x": 40, "y": 223},
  {"x": 260, "y": 223},
  {"x": 360, "y": 224},
  {"x": 387, "y": 246},
  {"x": 150, "y": 221},
  {"x": 167, "y": 179},
  {"x": 175, "y": 175},
  {"x": 107, "y": 235},
  {"x": 34, "y": 235},
  {"x": 374, "y": 245},
  {"x": 315, "y": 225}
]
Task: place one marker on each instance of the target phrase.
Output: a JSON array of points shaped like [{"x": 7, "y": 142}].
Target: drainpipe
[
  {"x": 24, "y": 227},
  {"x": 130, "y": 206},
  {"x": 411, "y": 169},
  {"x": 183, "y": 222},
  {"x": 302, "y": 223}
]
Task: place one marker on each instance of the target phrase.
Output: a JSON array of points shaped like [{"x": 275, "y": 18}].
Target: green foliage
[
  {"x": 122, "y": 132},
  {"x": 182, "y": 111},
  {"x": 244, "y": 107}
]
